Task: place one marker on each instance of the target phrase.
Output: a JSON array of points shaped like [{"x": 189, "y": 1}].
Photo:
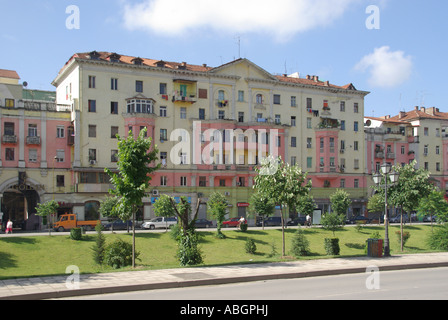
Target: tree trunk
[
  {"x": 283, "y": 234},
  {"x": 133, "y": 238}
]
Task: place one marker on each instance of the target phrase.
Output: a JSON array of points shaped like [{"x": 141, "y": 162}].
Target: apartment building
[
  {"x": 35, "y": 152},
  {"x": 420, "y": 134},
  {"x": 228, "y": 118},
  {"x": 211, "y": 125}
]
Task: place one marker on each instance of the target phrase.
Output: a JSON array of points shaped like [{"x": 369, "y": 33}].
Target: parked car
[
  {"x": 361, "y": 219},
  {"x": 118, "y": 225},
  {"x": 270, "y": 221},
  {"x": 395, "y": 219},
  {"x": 160, "y": 222},
  {"x": 203, "y": 223},
  {"x": 297, "y": 221},
  {"x": 233, "y": 222},
  {"x": 429, "y": 218}
]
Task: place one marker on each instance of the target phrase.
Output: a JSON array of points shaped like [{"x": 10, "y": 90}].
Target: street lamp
[{"x": 386, "y": 172}]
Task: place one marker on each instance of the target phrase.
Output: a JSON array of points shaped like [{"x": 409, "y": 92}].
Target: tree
[
  {"x": 217, "y": 206},
  {"x": 376, "y": 204},
  {"x": 333, "y": 221},
  {"x": 434, "y": 204},
  {"x": 340, "y": 201},
  {"x": 47, "y": 209},
  {"x": 107, "y": 208},
  {"x": 306, "y": 204},
  {"x": 261, "y": 206},
  {"x": 135, "y": 159},
  {"x": 165, "y": 206},
  {"x": 282, "y": 183}
]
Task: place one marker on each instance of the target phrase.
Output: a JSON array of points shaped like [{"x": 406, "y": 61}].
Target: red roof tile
[{"x": 11, "y": 74}]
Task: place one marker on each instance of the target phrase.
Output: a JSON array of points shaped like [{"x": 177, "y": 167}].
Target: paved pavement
[{"x": 91, "y": 284}]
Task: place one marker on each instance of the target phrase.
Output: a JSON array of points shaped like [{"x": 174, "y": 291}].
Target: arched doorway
[{"x": 19, "y": 204}]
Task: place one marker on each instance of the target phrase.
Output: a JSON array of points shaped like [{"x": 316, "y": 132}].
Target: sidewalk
[{"x": 55, "y": 287}]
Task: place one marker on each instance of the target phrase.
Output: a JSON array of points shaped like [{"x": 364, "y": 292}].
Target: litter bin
[{"x": 375, "y": 248}]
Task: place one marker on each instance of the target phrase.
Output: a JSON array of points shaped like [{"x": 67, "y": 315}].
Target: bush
[
  {"x": 251, "y": 248},
  {"x": 99, "y": 247},
  {"x": 332, "y": 246},
  {"x": 243, "y": 227},
  {"x": 438, "y": 240},
  {"x": 76, "y": 234},
  {"x": 188, "y": 251},
  {"x": 119, "y": 254},
  {"x": 406, "y": 236},
  {"x": 300, "y": 245}
]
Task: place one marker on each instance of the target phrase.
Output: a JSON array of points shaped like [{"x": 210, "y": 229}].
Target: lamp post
[{"x": 386, "y": 172}]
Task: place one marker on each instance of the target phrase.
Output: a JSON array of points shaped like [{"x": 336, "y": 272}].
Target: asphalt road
[{"x": 421, "y": 284}]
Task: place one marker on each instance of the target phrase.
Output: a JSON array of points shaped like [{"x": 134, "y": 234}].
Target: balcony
[
  {"x": 181, "y": 97},
  {"x": 390, "y": 155},
  {"x": 33, "y": 140},
  {"x": 9, "y": 139}
]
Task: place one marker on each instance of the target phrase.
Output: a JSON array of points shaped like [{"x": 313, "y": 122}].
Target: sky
[{"x": 395, "y": 49}]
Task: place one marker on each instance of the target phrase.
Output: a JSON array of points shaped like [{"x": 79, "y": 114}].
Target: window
[
  {"x": 92, "y": 105},
  {"x": 309, "y": 103},
  {"x": 201, "y": 114},
  {"x": 356, "y": 164},
  {"x": 114, "y": 156},
  {"x": 342, "y": 145},
  {"x": 309, "y": 143},
  {"x": 355, "y": 126},
  {"x": 183, "y": 181},
  {"x": 92, "y": 154},
  {"x": 183, "y": 113},
  {"x": 163, "y": 135},
  {"x": 343, "y": 125},
  {"x": 140, "y": 106},
  {"x": 426, "y": 165},
  {"x": 309, "y": 162},
  {"x": 163, "y": 88},
  {"x": 240, "y": 116},
  {"x": 32, "y": 130},
  {"x": 113, "y": 84},
  {"x": 437, "y": 149},
  {"x": 342, "y": 183},
  {"x": 332, "y": 145},
  {"x": 60, "y": 132},
  {"x": 9, "y": 154},
  {"x": 221, "y": 114},
  {"x": 293, "y": 161},
  {"x": 259, "y": 99},
  {"x": 202, "y": 181},
  {"x": 356, "y": 184},
  {"x": 356, "y": 108},
  {"x": 342, "y": 106},
  {"x": 426, "y": 131},
  {"x": 92, "y": 131},
  {"x": 277, "y": 119},
  {"x": 293, "y": 101},
  {"x": 139, "y": 86},
  {"x": 221, "y": 95},
  {"x": 356, "y": 146},
  {"x": 222, "y": 182},
  {"x": 9, "y": 129},
  {"x": 9, "y": 103},
  {"x": 114, "y": 108},
  {"x": 241, "y": 96},
  {"x": 92, "y": 82},
  {"x": 293, "y": 121},
  {"x": 332, "y": 162},
  {"x": 60, "y": 155},
  {"x": 113, "y": 132},
  {"x": 183, "y": 158},
  {"x": 162, "y": 112},
  {"x": 32, "y": 155},
  {"x": 403, "y": 149},
  {"x": 322, "y": 145},
  {"x": 60, "y": 181},
  {"x": 308, "y": 123},
  {"x": 437, "y": 166},
  {"x": 426, "y": 150},
  {"x": 163, "y": 181},
  {"x": 279, "y": 141},
  {"x": 276, "y": 99},
  {"x": 203, "y": 93}
]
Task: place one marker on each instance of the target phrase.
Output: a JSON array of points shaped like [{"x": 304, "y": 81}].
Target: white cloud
[
  {"x": 280, "y": 18},
  {"x": 387, "y": 68}
]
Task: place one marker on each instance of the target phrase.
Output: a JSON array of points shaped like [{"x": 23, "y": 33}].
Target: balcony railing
[
  {"x": 9, "y": 139},
  {"x": 33, "y": 140}
]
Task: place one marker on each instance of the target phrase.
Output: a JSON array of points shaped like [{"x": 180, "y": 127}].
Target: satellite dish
[
  {"x": 368, "y": 123},
  {"x": 25, "y": 84}
]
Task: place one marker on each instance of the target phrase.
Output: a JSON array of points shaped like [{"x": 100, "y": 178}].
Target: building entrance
[{"x": 19, "y": 205}]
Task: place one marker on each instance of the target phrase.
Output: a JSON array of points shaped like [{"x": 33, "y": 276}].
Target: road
[{"x": 421, "y": 284}]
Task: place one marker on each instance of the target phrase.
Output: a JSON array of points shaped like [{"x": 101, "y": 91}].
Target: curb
[{"x": 215, "y": 281}]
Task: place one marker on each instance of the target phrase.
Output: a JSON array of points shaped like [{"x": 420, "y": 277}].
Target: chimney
[
  {"x": 401, "y": 115},
  {"x": 416, "y": 108},
  {"x": 432, "y": 111},
  {"x": 423, "y": 109},
  {"x": 327, "y": 83},
  {"x": 316, "y": 78},
  {"x": 308, "y": 77}
]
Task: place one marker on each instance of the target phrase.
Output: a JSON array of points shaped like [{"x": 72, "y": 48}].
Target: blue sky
[{"x": 402, "y": 64}]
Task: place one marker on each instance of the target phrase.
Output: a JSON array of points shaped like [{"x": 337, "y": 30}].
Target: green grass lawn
[{"x": 51, "y": 255}]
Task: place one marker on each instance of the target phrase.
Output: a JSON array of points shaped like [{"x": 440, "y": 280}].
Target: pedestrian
[
  {"x": 308, "y": 220},
  {"x": 9, "y": 226},
  {"x": 241, "y": 221}
]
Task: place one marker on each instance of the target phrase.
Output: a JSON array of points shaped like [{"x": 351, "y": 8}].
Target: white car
[{"x": 160, "y": 222}]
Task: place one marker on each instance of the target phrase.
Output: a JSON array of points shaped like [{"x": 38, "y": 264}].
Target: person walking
[{"x": 9, "y": 226}]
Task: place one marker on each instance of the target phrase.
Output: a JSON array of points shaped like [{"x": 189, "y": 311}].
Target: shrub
[
  {"x": 99, "y": 247},
  {"x": 438, "y": 240},
  {"x": 300, "y": 245},
  {"x": 406, "y": 236},
  {"x": 251, "y": 248},
  {"x": 243, "y": 227},
  {"x": 76, "y": 234},
  {"x": 273, "y": 252},
  {"x": 332, "y": 246},
  {"x": 188, "y": 251},
  {"x": 119, "y": 254}
]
